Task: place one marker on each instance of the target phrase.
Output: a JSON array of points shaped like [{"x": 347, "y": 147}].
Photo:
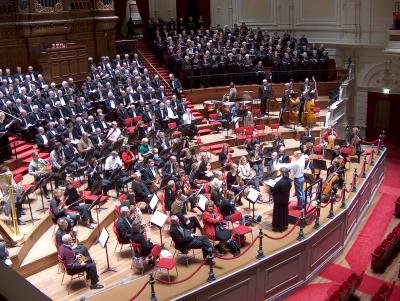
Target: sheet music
[
  {"x": 158, "y": 219},
  {"x": 253, "y": 195},
  {"x": 154, "y": 201},
  {"x": 202, "y": 202},
  {"x": 103, "y": 238},
  {"x": 272, "y": 183}
]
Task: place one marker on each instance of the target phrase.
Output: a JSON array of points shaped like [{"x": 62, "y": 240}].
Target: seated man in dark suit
[
  {"x": 74, "y": 262},
  {"x": 184, "y": 239},
  {"x": 142, "y": 192},
  {"x": 57, "y": 211},
  {"x": 124, "y": 225},
  {"x": 41, "y": 139}
]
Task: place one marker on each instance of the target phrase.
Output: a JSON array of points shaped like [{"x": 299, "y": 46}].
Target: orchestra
[{"x": 153, "y": 161}]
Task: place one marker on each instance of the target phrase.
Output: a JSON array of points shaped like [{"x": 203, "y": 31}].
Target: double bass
[
  {"x": 290, "y": 114},
  {"x": 308, "y": 116}
]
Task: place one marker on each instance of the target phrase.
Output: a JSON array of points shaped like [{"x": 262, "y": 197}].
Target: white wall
[{"x": 164, "y": 9}]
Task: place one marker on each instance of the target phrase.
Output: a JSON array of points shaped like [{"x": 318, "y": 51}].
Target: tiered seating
[
  {"x": 384, "y": 292},
  {"x": 347, "y": 288},
  {"x": 151, "y": 65},
  {"x": 22, "y": 151},
  {"x": 386, "y": 251}
]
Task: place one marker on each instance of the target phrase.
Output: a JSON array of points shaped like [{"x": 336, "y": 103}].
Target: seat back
[
  {"x": 236, "y": 217},
  {"x": 136, "y": 248},
  {"x": 213, "y": 116},
  {"x": 274, "y": 126},
  {"x": 122, "y": 197},
  {"x": 256, "y": 111},
  {"x": 155, "y": 251},
  {"x": 18, "y": 178},
  {"x": 116, "y": 232},
  {"x": 172, "y": 125},
  {"x": 260, "y": 127},
  {"x": 137, "y": 119},
  {"x": 128, "y": 122}
]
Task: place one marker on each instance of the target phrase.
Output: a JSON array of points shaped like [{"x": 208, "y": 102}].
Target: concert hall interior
[{"x": 199, "y": 150}]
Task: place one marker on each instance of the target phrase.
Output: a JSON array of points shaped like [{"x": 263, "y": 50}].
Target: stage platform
[{"x": 284, "y": 255}]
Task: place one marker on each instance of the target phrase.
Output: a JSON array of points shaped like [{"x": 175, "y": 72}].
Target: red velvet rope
[
  {"x": 326, "y": 205},
  {"x": 187, "y": 278},
  {"x": 371, "y": 142},
  {"x": 311, "y": 213},
  {"x": 241, "y": 253},
  {"x": 282, "y": 237},
  {"x": 139, "y": 292}
]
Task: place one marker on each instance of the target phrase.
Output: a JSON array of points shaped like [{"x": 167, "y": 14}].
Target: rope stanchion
[
  {"x": 139, "y": 292},
  {"x": 325, "y": 205},
  {"x": 332, "y": 198},
  {"x": 371, "y": 159},
  {"x": 241, "y": 253},
  {"x": 317, "y": 224},
  {"x": 153, "y": 292},
  {"x": 211, "y": 274},
  {"x": 260, "y": 252},
  {"x": 286, "y": 234},
  {"x": 301, "y": 235},
  {"x": 187, "y": 278},
  {"x": 343, "y": 197},
  {"x": 362, "y": 174}
]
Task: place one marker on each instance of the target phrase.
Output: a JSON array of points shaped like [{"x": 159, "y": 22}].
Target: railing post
[
  {"x": 372, "y": 154},
  {"x": 382, "y": 138},
  {"x": 364, "y": 174},
  {"x": 343, "y": 206},
  {"x": 211, "y": 274},
  {"x": 317, "y": 225},
  {"x": 260, "y": 253},
  {"x": 354, "y": 181},
  {"x": 332, "y": 200},
  {"x": 153, "y": 292},
  {"x": 301, "y": 232}
]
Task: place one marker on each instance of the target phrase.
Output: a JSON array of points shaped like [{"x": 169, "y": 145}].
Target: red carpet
[
  {"x": 359, "y": 255},
  {"x": 314, "y": 291}
]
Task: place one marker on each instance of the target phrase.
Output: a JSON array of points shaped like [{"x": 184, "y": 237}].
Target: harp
[{"x": 12, "y": 236}]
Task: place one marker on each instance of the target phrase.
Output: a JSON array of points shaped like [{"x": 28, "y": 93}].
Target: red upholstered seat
[
  {"x": 241, "y": 229},
  {"x": 261, "y": 131},
  {"x": 214, "y": 123},
  {"x": 163, "y": 263}
]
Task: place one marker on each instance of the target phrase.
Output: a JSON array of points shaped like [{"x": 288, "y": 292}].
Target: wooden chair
[
  {"x": 241, "y": 229},
  {"x": 119, "y": 240},
  {"x": 76, "y": 275},
  {"x": 163, "y": 263}
]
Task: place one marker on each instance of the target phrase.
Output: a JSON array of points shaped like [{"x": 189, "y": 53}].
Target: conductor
[{"x": 280, "y": 195}]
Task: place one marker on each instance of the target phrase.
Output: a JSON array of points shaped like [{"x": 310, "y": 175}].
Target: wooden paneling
[
  {"x": 327, "y": 243},
  {"x": 238, "y": 291},
  {"x": 286, "y": 273}
]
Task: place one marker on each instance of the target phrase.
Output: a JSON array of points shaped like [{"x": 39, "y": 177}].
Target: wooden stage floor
[{"x": 48, "y": 280}]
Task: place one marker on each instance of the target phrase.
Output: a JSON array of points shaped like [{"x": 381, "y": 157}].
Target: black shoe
[
  {"x": 92, "y": 221},
  {"x": 23, "y": 213},
  {"x": 46, "y": 196},
  {"x": 96, "y": 286},
  {"x": 21, "y": 223}
]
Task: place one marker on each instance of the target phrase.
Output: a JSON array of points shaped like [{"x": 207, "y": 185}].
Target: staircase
[
  {"x": 22, "y": 155},
  {"x": 150, "y": 62}
]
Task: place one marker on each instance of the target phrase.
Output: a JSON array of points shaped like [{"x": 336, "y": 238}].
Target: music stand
[
  {"x": 96, "y": 202},
  {"x": 24, "y": 195},
  {"x": 88, "y": 155},
  {"x": 252, "y": 197},
  {"x": 158, "y": 220},
  {"x": 201, "y": 204},
  {"x": 39, "y": 185},
  {"x": 153, "y": 202},
  {"x": 319, "y": 164},
  {"x": 103, "y": 239}
]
